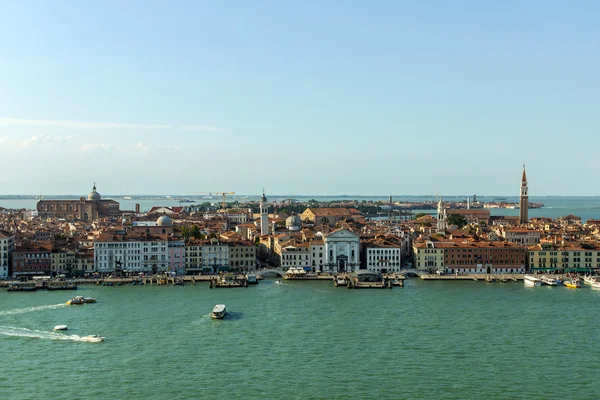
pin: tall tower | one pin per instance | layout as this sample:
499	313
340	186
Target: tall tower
441	217
264	215
524	204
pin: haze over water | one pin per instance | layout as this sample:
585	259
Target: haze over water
554	206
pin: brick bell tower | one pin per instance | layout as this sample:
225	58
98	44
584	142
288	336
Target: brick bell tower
524	203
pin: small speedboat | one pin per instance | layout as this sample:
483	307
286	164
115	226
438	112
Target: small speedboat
77	300
573	283
61	327
93	338
219	311
549	281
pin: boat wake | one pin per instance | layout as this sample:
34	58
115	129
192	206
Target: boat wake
33	333
31	309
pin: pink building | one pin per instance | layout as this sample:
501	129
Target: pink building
177	256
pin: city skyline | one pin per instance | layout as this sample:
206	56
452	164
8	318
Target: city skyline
323	99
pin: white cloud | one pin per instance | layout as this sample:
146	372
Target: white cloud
94	146
143	146
40	123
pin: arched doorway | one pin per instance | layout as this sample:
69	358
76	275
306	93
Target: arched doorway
342	266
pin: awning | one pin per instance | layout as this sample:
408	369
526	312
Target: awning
224	268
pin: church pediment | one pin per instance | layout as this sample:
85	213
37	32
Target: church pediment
342	234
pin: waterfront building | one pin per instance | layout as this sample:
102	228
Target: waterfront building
428	255
215	256
242	255
176	257
524	200
264	215
32	259
382	256
89	209
486	257
193	256
63	260
295	254
325	216
565	256
317	253
7	247
141	253
342	251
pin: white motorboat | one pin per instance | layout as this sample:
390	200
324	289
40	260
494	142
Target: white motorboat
93	338
61	327
595	285
532	281
590	279
549	281
219	311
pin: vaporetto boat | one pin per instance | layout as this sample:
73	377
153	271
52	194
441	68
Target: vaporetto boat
532	281
549	281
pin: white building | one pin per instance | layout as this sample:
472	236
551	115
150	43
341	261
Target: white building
215	256
317	255
147	253
342	250
383	257
7	246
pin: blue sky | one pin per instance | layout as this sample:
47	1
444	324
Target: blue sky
311	97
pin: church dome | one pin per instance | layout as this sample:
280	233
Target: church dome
293	222
164	220
94	195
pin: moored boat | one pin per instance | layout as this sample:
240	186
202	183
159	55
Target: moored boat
219	311
549	281
573	283
21	288
589	279
595	285
532	281
252	279
339	281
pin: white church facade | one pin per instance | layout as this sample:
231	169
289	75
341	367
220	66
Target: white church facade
342	251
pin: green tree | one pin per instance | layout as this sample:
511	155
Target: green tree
456	219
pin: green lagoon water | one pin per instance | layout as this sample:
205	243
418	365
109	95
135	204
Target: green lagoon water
305	340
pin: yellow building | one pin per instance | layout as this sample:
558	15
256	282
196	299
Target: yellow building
564	257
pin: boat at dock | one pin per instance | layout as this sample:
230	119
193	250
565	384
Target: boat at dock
228	280
366	279
573	283
252	279
21	288
61	327
549	281
298	274
589	279
532	281
339	281
219	311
